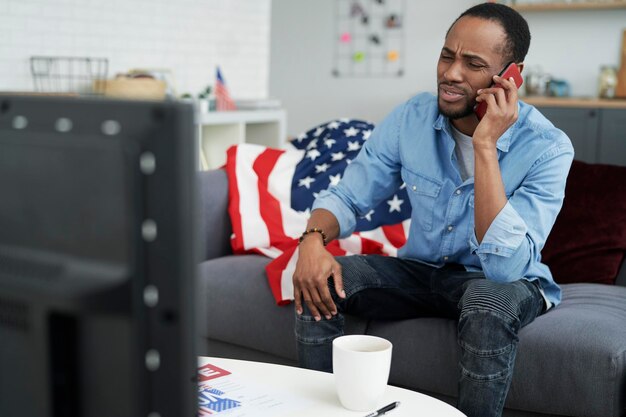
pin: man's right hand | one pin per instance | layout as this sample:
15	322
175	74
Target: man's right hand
310	280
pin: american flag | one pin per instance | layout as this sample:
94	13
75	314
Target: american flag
222	97
272	191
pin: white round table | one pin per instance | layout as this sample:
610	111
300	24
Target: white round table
264	389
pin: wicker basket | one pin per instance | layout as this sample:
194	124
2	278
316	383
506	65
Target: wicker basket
74	75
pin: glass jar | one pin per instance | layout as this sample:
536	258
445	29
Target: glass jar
607	82
536	81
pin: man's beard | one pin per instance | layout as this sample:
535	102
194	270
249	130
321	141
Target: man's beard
456	114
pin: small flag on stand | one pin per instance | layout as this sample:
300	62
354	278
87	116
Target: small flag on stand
222	97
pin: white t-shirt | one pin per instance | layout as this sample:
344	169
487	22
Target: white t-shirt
464	151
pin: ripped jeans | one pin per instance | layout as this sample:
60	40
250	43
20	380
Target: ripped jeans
489	314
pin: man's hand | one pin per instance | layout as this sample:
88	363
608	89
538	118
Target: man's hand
501	113
310	280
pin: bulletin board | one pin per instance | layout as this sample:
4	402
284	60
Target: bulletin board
369	39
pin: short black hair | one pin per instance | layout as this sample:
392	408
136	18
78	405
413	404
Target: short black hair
514	25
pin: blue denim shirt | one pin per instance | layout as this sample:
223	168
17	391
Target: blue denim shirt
414	145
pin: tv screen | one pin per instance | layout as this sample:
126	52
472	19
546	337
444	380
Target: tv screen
97	257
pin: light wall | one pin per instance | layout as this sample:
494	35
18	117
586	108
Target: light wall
190	37
567	44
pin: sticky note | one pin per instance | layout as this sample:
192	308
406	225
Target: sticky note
358	56
346	37
393	55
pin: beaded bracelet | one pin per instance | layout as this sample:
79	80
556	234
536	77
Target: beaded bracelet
313	230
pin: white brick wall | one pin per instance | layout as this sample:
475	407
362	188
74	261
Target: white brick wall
190	37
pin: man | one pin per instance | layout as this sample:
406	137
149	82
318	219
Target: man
484	196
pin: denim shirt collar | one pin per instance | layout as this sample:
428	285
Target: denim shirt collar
503	143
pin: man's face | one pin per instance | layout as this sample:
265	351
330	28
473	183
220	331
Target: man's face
472	54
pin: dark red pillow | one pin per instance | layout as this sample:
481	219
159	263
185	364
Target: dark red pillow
588	241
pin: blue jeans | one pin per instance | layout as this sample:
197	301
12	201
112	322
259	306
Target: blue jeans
489	314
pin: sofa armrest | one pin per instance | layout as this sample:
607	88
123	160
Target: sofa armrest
214	222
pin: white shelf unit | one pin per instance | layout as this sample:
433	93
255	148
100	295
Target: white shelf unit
220	130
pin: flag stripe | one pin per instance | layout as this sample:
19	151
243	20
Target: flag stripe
271	252
274	271
233	196
254	232
395	234
286	281
378	236
269	207
334	248
374	247
352	244
279	186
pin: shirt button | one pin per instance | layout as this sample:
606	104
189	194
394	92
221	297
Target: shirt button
445	258
457	192
450	228
414	188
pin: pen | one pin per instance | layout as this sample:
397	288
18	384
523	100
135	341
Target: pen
384	410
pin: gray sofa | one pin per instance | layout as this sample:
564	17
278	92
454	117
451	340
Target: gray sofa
571	361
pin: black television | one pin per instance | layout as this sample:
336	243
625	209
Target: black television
97	257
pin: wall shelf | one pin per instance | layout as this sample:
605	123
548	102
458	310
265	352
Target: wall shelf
564	6
217	131
602	103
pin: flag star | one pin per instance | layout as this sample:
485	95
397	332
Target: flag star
394	204
301	137
315	195
312	144
306	182
354	146
366	134
321	168
344	120
334	179
318	131
313	153
368	216
403	186
348	161
337	156
350	132
333	125
329	142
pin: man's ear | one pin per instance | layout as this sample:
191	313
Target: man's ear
520	66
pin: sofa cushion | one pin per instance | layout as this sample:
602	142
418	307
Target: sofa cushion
575	355
588	241
571	360
238	307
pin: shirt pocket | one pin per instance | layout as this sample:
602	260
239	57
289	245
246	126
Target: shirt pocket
423	192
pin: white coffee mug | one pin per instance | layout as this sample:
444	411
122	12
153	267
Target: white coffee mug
361	366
